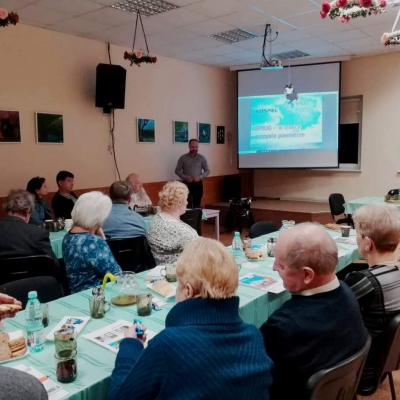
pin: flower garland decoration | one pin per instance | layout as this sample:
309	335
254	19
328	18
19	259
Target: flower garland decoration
138	56
8	18
345	10
390	39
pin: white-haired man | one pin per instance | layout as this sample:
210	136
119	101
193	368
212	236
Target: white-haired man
321	324
139	197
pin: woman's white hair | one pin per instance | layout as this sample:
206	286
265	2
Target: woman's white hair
91	210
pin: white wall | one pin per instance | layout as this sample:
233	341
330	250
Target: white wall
378	80
42	70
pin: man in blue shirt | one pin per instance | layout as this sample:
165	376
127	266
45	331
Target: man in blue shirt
122	221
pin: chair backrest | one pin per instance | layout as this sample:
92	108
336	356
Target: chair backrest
262	228
132	254
48	289
340	381
14	268
193	218
336	204
390	355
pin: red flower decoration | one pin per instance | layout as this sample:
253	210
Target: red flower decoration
366	3
323	14
341	3
325	7
382	3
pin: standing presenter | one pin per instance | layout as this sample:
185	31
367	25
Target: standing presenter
192	168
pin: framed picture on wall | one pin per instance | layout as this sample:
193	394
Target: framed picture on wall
146	130
220	134
10	130
204	133
181	131
49	128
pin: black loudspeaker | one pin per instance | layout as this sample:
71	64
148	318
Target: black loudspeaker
110	87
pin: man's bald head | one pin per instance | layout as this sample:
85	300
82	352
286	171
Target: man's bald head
308	244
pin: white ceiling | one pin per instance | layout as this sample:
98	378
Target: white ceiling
183	33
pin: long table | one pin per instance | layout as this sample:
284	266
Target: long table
95	364
351	206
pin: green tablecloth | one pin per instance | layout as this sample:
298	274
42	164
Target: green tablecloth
351	206
95	364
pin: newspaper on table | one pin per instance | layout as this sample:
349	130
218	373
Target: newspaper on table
263	282
53	389
111	335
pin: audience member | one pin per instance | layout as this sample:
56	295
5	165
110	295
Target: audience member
321	324
37	186
139	196
205	351
17	237
64	200
122	221
378	288
192	168
15	384
86	254
167	234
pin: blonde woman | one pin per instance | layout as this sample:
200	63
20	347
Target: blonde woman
167	234
378	288
205	351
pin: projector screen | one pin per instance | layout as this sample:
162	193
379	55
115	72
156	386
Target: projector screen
282	126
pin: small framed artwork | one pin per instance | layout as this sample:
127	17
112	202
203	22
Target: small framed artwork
204	133
181	132
49	128
220	134
146	130
10	130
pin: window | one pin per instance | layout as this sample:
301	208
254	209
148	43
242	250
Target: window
350	133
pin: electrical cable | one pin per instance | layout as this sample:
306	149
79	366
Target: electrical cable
111	126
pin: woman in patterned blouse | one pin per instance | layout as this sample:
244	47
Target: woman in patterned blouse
86	254
167	234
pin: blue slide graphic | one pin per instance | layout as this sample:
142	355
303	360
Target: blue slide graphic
279	125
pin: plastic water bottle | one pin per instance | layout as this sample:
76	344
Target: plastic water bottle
237	245
34	325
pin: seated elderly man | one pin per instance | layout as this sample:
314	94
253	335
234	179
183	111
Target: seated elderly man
139	196
206	351
321	324
17	237
122	221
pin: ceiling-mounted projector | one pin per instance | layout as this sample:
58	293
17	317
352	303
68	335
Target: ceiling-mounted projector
271	64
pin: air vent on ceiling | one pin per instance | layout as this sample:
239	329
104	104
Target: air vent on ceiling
146	7
233	36
290	54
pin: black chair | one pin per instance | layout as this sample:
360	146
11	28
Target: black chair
132	254
14	268
340	381
336	204
47	287
262	228
193	218
388	359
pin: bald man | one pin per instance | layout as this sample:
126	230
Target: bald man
139	197
321	324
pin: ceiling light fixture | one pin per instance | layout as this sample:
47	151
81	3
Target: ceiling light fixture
146	7
269	62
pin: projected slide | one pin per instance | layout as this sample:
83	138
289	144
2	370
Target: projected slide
277	124
289	125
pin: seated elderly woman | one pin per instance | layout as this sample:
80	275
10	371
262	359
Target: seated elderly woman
86	254
37	186
167	234
205	351
378	288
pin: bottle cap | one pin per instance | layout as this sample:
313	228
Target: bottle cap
32	295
